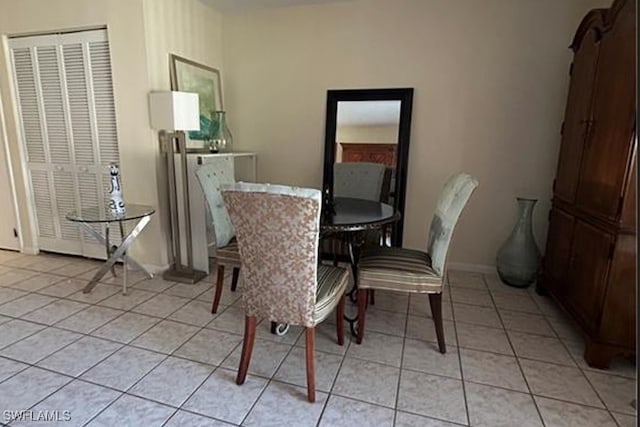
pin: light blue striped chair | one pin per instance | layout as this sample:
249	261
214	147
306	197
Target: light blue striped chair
211	175
413	271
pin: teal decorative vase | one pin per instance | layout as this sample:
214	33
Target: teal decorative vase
518	259
221	138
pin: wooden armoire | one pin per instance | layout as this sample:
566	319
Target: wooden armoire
589	266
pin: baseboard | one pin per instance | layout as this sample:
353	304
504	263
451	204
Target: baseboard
474	268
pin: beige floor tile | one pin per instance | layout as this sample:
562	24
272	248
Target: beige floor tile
537	347
432	396
172	381
559	382
166	336
127	302
230	319
512	302
616	392
126	328
496	407
565	328
63	288
89	319
209	346
385	322
40	345
266	357
492	369
9	368
238	400
98	294
15	330
344	412
83	401
465	279
160	305
563	414
526	322
9	278
483	338
477	315
196	313
27	388
133	411
263	331
54	312
380	348
37	282
293	369
471	296
184	418
188	290
625	420
367	381
404	419
298	411
423	329
425	357
156	284
25	304
326	339
392	301
124	368
10	294
80	356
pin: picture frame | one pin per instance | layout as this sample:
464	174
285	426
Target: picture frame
189	76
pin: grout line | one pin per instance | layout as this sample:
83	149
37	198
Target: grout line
404	341
524	377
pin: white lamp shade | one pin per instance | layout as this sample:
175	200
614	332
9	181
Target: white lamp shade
174	111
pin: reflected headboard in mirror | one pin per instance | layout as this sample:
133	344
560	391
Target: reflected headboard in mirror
373	126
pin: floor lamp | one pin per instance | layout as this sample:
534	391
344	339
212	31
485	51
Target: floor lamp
173	113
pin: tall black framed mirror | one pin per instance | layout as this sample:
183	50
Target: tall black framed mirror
371	126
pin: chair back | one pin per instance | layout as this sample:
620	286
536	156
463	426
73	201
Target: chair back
453	199
217	171
277	229
359	180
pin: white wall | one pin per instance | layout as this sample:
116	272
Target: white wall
141	34
490	81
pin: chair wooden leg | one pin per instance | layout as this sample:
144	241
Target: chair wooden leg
372	297
340	320
274	326
219	284
435	301
234	278
247	348
311	372
363	297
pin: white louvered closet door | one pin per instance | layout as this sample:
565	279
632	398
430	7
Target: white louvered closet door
65	98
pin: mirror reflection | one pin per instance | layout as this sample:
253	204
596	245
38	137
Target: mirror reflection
366	149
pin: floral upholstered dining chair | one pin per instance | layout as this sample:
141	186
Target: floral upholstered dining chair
277	228
211	175
413	271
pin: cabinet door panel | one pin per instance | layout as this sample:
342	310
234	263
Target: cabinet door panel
619	315
607	151
576	115
558	251
587	272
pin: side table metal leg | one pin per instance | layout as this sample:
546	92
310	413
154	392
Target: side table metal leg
122	249
108	247
124	263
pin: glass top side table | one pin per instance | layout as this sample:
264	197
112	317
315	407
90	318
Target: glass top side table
141	214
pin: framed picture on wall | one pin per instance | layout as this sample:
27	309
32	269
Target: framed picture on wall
190	76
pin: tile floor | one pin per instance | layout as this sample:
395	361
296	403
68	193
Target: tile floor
158	357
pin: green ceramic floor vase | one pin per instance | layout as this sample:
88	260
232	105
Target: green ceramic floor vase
518	259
